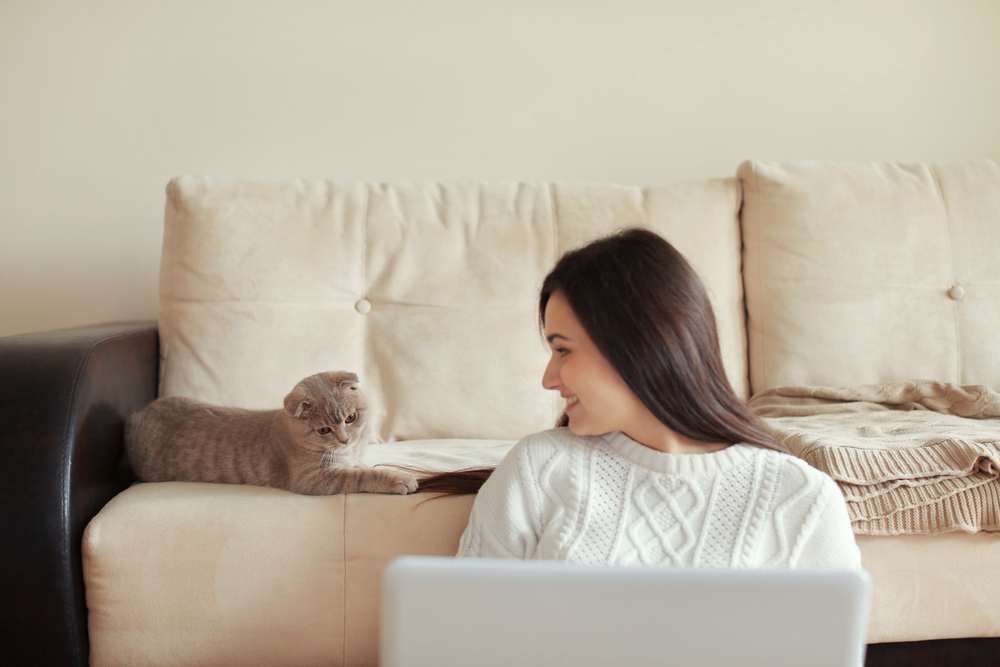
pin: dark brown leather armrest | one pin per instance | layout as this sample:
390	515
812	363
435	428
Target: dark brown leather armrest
64	396
968	652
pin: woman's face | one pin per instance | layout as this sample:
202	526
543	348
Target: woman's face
597	399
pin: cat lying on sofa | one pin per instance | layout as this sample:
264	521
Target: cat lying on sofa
313	446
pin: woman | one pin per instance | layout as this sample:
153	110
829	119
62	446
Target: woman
658	461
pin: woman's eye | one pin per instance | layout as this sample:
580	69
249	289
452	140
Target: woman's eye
351	418
324	430
562	351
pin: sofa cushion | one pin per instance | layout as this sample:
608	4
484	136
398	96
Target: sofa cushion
215	574
868	273
218	574
932	586
427	291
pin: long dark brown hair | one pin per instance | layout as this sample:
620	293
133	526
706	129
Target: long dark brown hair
649	315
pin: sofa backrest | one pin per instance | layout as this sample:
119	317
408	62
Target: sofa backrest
865	273
427	291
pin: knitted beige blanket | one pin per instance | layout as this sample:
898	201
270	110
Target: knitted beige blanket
910	457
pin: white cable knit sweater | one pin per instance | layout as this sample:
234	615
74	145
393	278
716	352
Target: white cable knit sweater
611	500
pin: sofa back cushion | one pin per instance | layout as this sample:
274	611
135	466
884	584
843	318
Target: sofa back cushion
427	291
864	273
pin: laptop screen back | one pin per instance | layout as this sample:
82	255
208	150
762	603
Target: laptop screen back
447	612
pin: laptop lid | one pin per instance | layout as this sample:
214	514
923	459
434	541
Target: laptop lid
446	612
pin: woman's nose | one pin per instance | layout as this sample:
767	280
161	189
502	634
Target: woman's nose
550	378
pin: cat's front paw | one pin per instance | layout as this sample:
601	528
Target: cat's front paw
401	482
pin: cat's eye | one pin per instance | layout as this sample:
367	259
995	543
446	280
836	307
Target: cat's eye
324	430
351	418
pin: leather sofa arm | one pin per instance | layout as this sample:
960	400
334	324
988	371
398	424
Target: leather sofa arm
64	396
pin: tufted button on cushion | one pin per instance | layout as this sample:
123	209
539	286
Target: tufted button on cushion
956	292
364	306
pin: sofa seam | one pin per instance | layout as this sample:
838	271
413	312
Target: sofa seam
745	203
745	329
364	273
959	371
343	528
167	287
760	279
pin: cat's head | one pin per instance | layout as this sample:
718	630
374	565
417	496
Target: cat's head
327	411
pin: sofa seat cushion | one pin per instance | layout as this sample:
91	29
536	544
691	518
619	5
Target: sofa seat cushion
213	574
932	586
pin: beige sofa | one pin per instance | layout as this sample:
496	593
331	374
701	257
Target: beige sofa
828	274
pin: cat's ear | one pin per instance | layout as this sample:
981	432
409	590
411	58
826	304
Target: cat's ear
349	381
297	402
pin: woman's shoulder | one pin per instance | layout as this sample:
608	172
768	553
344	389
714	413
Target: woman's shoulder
554	437
539	448
793	472
777	457
548	454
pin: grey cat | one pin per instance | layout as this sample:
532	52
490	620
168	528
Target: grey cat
312	447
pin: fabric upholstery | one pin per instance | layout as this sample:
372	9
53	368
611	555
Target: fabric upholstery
867	273
427	291
932	586
217	574
213	574
378	528
210	574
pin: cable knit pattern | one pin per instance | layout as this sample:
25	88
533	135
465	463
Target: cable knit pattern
609	499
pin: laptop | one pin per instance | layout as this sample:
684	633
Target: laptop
447	612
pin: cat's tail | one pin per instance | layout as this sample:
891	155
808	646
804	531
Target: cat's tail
132	439
133	424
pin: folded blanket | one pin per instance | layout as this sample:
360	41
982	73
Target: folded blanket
910	457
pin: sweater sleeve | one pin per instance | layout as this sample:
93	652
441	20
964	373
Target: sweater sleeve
504	522
828	542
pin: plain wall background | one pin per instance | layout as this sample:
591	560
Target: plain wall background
103	101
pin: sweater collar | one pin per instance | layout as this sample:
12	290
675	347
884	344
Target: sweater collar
647	457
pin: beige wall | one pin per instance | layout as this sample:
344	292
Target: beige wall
103	101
